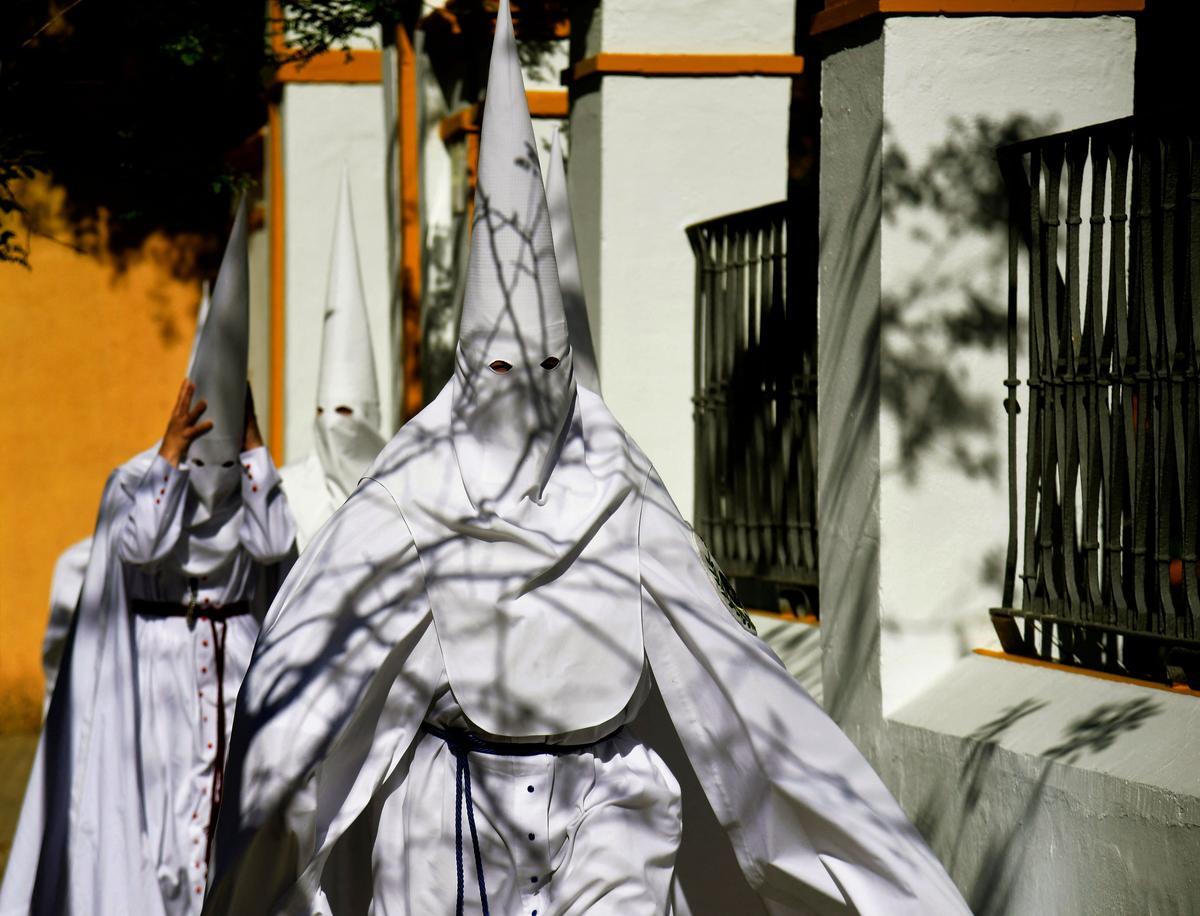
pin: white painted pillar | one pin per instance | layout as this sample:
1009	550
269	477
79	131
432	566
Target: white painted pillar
651	155
903	543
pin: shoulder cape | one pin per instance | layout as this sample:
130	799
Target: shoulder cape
782	813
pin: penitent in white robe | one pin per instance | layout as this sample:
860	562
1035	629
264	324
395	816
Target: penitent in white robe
189	673
96	833
727	790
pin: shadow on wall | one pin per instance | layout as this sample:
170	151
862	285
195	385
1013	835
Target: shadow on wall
992	891
951	304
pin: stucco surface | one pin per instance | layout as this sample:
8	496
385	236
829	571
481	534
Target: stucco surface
671	152
1042	791
763	26
944	531
91	357
848	383
1052	792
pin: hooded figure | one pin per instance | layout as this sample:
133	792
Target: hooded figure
346	435
185	558
504	679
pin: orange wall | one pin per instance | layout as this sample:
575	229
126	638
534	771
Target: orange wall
90	360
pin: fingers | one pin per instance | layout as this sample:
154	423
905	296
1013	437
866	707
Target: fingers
194	413
186	390
195	432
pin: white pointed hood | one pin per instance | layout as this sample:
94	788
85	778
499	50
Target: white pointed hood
346	443
570	280
201	314
520	490
219	373
507	423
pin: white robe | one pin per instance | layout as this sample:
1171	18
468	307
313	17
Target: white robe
96	833
780	812
311	495
181	728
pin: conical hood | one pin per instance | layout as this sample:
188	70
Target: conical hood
201	314
347	437
570	280
347	374
513	383
219	366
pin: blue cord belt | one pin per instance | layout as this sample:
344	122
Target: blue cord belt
462	744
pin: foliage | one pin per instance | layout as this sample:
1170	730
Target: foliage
137	109
314	26
132	108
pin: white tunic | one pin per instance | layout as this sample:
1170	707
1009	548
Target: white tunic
590	831
188	674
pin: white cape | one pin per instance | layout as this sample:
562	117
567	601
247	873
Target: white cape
65	587
782	813
79	846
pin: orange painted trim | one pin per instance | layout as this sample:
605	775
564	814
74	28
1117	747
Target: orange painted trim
845	12
548	103
408	140
275	256
688	65
362	66
543	103
472	175
463	121
1086	672
811	619
275	27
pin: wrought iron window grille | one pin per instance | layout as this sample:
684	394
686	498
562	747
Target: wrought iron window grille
1104	223
755	410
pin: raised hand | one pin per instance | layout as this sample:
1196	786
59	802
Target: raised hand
182	427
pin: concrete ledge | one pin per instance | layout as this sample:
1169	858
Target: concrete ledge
1047	792
798	645
1133	733
839	13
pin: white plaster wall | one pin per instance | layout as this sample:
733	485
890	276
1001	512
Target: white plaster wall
685	26
936	532
546	71
671	152
848	386
324	127
1041	791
